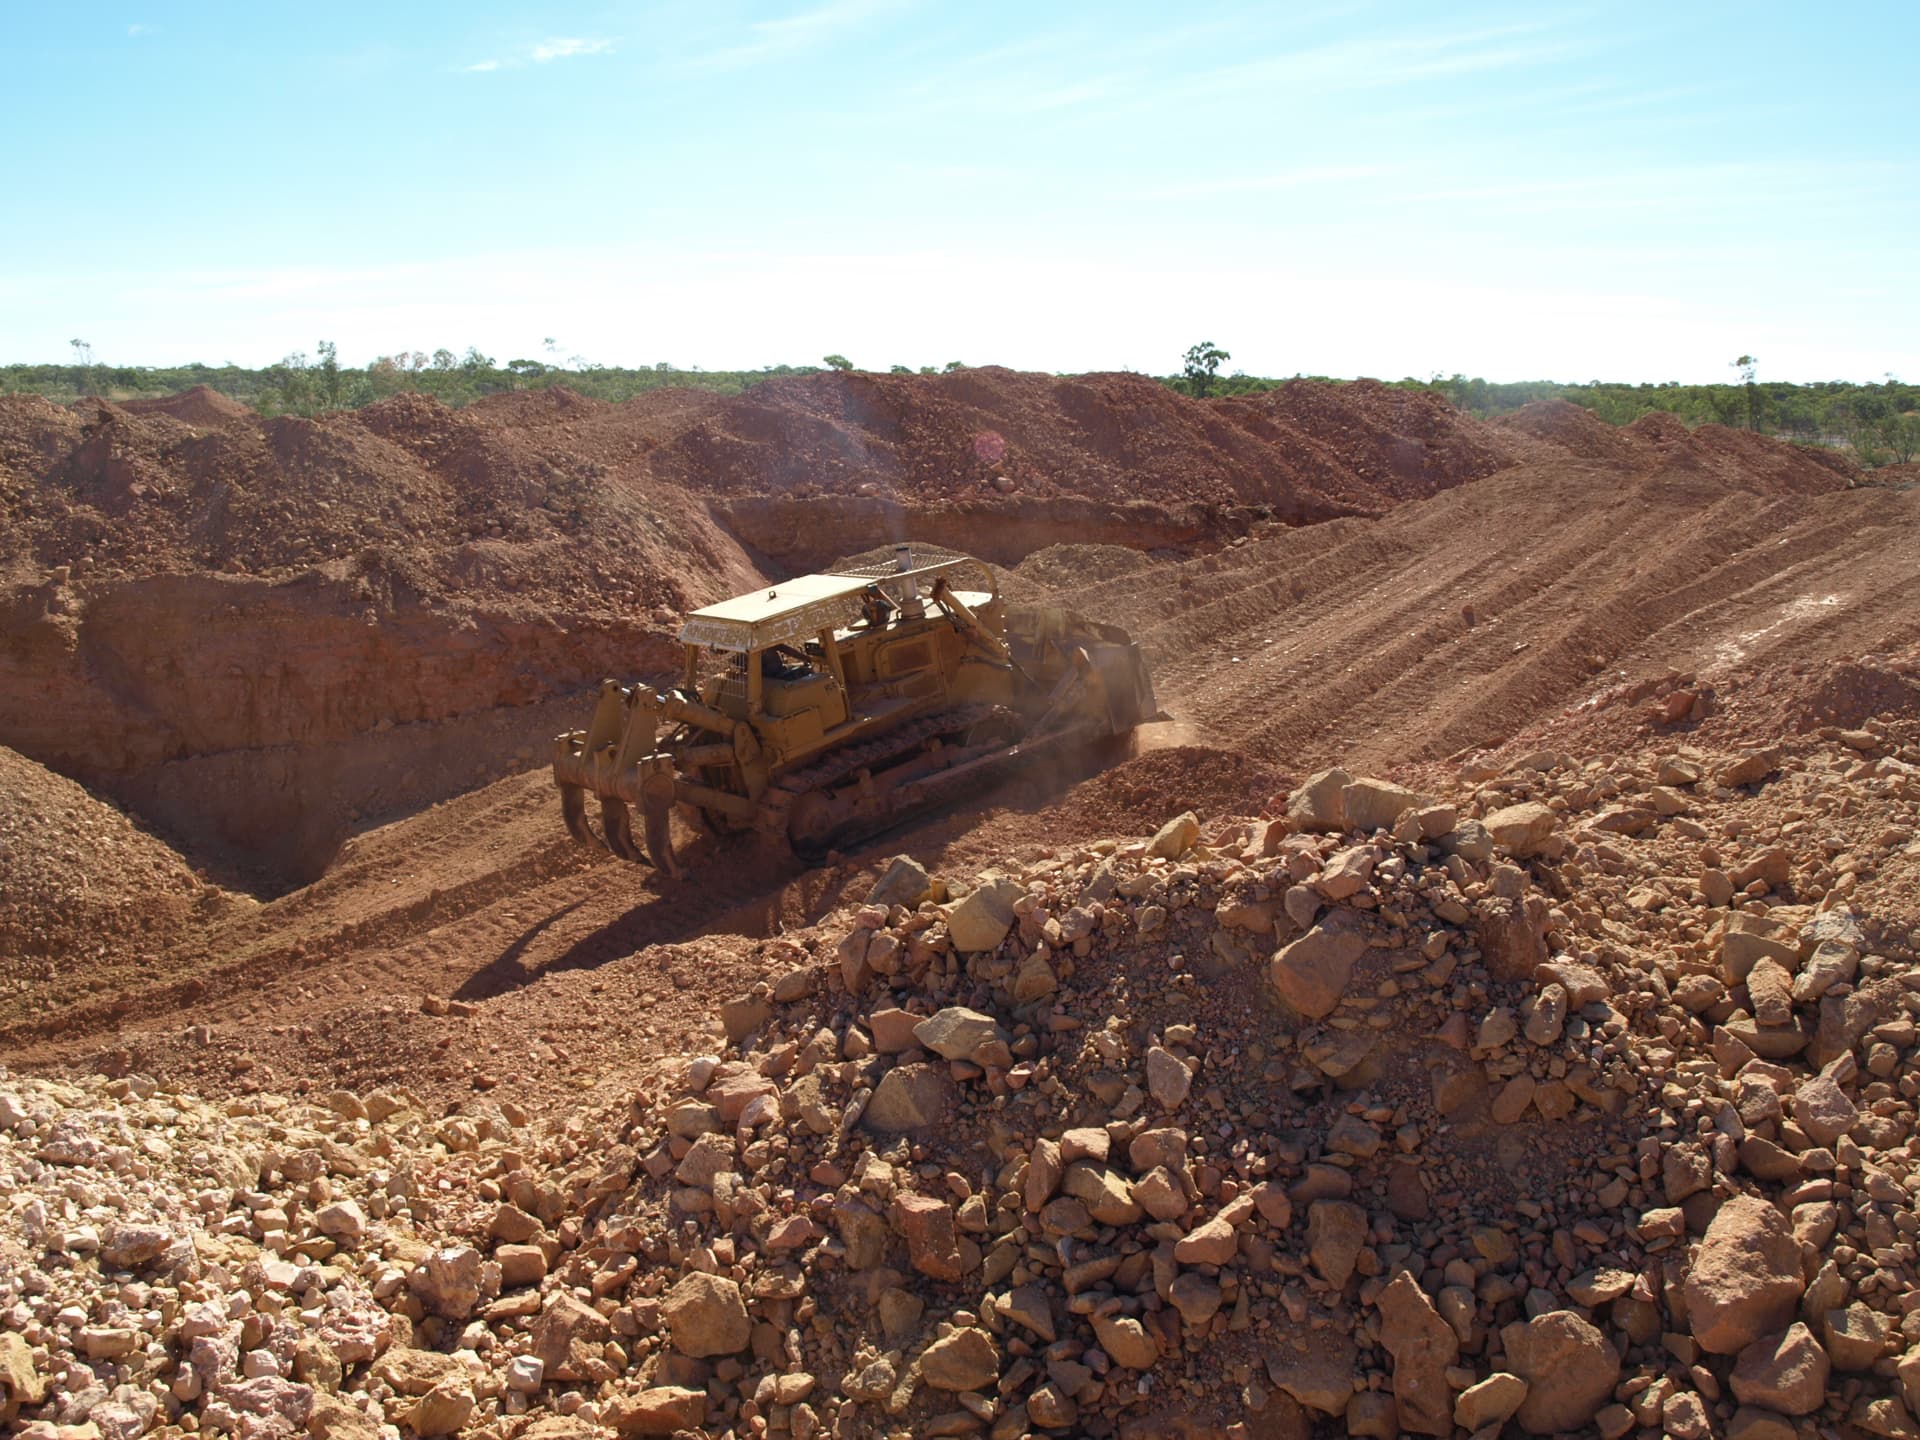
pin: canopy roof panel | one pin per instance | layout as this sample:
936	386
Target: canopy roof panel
802	607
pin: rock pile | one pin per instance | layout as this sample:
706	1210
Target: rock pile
1579	1098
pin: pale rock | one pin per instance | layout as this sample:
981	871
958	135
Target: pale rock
1212	1243
1320	803
1034	980
1423	1346
967	1359
1822	1109
1126	1341
1830	964
1569	1367
1311	974
408	1371
1108	1196
1176	837
341	1220
566	1322
1336	1233
1490	1402
1168	1079
1160	1194
707	1316
130	1244
1745	1280
1751	1422
1750	769
1371	805
1346	874
1028	1306
980	921
1196	1297
906	882
447	1281
658	1410
444	1408
1320	1378
1785	1371
1044	1168
1856	1336
911	1098
955	1033
1521	829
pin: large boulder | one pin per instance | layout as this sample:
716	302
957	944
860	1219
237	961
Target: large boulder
1785	1372
1569	1367
906	882
1311	974
1176	837
1374	805
910	1098
20	1380
1521	829
964	1360
707	1316
1336	1232
956	1032
982	919
1320	803
1745	1280
661	1410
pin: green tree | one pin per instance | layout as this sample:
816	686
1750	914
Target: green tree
82	366
1202	366
1747	365
326	375
1898	435
836	362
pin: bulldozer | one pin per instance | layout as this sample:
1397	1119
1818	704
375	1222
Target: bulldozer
830	708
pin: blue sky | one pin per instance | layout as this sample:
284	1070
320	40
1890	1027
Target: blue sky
1624	191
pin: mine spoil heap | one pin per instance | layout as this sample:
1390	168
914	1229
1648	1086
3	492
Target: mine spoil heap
1576	1096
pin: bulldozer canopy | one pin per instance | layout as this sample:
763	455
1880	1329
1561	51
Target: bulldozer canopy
802	607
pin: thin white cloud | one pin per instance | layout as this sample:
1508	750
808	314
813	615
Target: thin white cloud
568	47
136	30
560	47
770	39
1284	180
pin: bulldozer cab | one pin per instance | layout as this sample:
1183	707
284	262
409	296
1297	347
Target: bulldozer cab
796	655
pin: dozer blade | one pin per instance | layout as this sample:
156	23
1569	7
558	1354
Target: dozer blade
618	823
573	809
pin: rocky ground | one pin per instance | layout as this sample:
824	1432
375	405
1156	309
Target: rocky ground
1487	1009
1577	1095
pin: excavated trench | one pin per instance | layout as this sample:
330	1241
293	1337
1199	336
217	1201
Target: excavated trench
257	723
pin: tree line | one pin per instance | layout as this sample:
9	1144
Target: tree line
306	384
1879	422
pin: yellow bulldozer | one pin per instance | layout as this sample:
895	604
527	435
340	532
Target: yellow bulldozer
829	708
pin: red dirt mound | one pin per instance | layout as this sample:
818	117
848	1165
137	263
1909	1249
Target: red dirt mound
1659	441
201	406
1305	451
76	876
